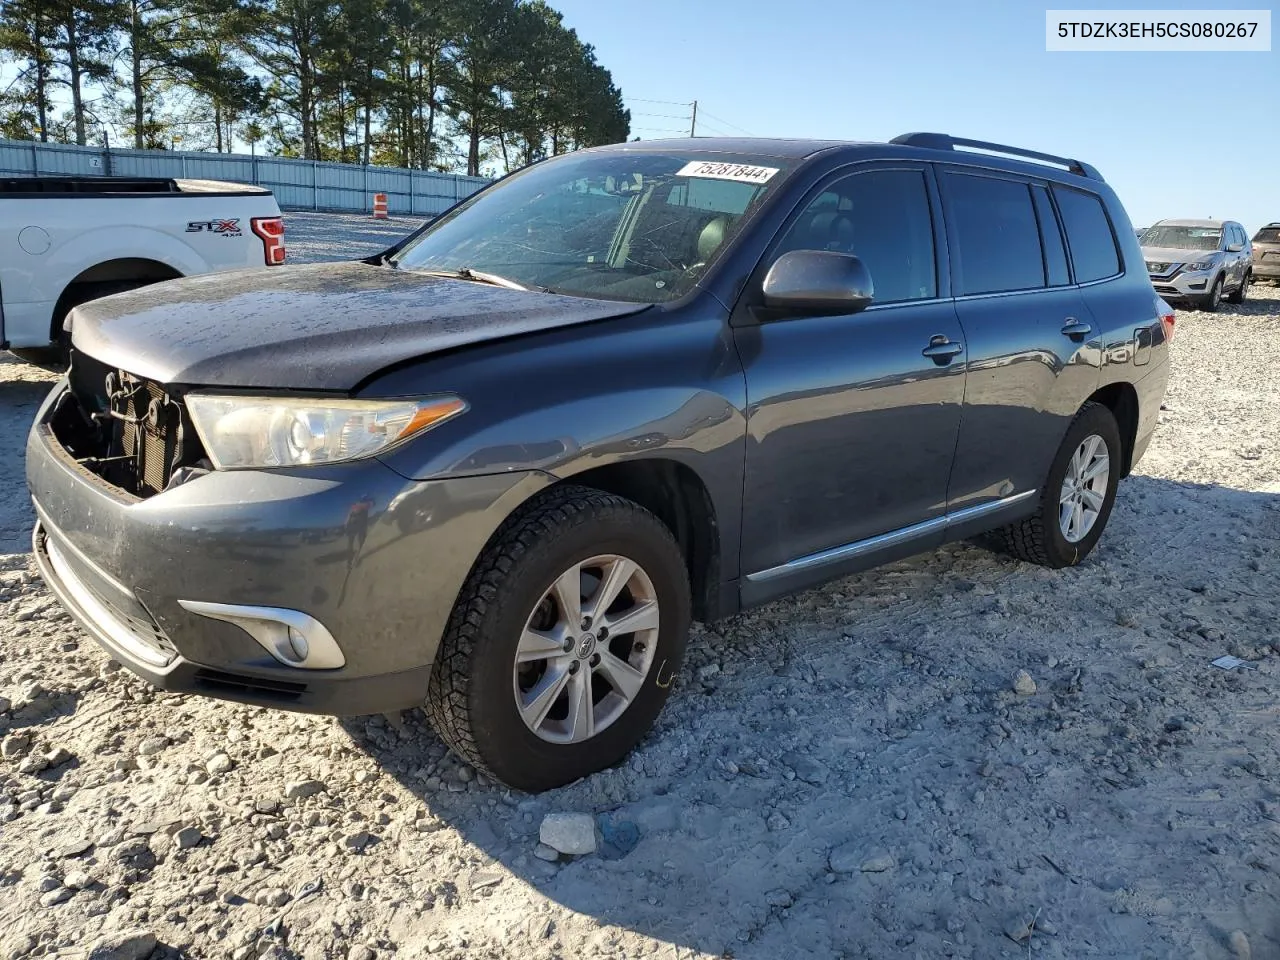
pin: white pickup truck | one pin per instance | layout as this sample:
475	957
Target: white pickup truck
67	240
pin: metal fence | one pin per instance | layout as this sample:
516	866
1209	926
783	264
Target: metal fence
297	184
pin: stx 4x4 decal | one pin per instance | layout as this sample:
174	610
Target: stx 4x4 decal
227	228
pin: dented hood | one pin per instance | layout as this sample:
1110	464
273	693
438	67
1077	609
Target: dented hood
326	326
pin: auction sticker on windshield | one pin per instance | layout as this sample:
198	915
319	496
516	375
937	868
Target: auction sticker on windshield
742	172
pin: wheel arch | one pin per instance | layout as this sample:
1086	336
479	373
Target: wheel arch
1121	398
677	495
118	270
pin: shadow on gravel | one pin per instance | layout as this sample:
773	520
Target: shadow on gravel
24	393
865	778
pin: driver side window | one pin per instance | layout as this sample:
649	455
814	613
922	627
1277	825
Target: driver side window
882	217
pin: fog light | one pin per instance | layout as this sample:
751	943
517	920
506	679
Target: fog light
292	637
298	640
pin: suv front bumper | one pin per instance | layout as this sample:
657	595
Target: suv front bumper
1184	285
382	587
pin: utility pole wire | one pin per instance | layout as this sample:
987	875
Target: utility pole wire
668	103
726	123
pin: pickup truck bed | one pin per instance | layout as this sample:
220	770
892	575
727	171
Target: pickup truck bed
68	240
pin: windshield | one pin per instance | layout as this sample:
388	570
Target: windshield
1267	235
1183	238
634	226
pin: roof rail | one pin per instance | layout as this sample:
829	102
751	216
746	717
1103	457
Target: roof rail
942	141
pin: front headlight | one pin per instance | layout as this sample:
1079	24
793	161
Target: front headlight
1199	266
242	432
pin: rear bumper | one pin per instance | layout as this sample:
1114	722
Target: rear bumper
374	558
1268	268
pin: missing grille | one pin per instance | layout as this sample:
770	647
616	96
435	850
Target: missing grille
132	432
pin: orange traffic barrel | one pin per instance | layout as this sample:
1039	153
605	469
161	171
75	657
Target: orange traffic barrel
380	206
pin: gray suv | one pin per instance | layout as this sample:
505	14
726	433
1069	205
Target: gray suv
498	468
1199	261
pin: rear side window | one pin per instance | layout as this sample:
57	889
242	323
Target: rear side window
996	234
1089	236
1055	254
882	217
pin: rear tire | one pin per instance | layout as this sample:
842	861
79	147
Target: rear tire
1043	538
1240	295
482	700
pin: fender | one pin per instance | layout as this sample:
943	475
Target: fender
552	403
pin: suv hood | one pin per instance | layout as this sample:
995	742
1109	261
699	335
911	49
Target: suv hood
1177	254
326	326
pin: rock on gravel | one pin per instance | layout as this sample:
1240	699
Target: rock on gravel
304	788
845	858
77	880
1023	685
878	863
571	833
358	841
852	857
129	945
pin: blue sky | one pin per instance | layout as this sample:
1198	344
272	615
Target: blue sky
1176	134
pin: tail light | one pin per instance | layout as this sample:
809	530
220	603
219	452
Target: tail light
1166	318
271	230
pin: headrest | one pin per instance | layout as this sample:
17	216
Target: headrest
711	237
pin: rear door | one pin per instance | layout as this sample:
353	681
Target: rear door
852	419
1033	347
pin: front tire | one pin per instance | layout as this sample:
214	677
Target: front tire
563	644
1078	495
1240	295
1209	303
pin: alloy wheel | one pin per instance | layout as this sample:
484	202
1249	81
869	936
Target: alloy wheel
586	649
1084	488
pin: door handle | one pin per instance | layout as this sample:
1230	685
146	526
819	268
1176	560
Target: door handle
941	349
1076	329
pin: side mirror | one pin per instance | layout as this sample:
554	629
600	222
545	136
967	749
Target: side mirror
1234	247
818	281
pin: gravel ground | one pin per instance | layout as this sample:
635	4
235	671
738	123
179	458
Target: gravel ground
847	773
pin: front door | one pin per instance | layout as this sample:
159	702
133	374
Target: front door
852	419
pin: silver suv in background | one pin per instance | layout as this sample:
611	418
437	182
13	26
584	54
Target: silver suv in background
1198	261
1266	253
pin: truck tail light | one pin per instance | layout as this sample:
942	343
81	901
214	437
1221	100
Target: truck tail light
271	230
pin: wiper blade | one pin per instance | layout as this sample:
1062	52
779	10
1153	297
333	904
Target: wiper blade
479	276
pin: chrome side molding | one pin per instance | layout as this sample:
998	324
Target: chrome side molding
902	535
